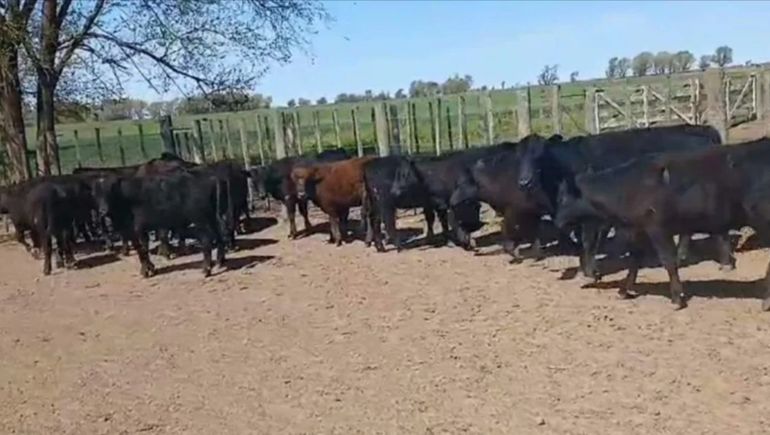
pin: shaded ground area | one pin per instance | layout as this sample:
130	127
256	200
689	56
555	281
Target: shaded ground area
303	337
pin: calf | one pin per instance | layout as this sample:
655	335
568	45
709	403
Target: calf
274	180
379	176
545	164
335	188
656	197
173	201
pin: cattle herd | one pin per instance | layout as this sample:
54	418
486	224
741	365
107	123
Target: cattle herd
649	185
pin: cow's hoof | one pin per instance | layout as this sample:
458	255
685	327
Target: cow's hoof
515	260
46	271
206	272
148	271
625	295
726	267
680	301
59	264
766	305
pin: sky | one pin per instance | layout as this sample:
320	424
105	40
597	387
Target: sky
384	45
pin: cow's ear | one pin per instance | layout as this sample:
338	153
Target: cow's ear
665	175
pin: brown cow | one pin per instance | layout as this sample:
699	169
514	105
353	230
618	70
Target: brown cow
334	187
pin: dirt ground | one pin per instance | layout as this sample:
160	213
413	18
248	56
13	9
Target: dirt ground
304	337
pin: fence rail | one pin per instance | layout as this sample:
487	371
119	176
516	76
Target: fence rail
427	125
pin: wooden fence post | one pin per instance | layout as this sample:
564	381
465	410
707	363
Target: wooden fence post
435	117
669	99
490	118
449	127
765	104
77	149
317	129
198	134
297	131
280	145
357	132
230	152
167	135
142	147
591	123
716	108
629	106
646	105
381	128
336	122
408	130
121	149
522	112
394	128
260	148
98	136
212	140
556	108
462	123
415	129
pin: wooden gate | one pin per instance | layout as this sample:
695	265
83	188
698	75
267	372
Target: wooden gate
741	95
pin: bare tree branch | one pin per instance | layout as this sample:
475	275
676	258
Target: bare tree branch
77	41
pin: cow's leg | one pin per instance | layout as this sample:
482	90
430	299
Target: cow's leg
636	254
388	216
766	300
68	243
141	241
442	218
508	230
59	249
204	237
591	236
666	249
724	249
463	238
334	229
430	218
683	249
45	245
302	204
290	205
343	225
220	245
164	249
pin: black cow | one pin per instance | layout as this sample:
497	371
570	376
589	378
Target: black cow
274	180
438	177
173	201
231	173
545	164
54	206
710	191
380	203
493	179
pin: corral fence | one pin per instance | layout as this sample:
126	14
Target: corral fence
434	125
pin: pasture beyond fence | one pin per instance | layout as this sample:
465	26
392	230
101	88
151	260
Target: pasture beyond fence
428	125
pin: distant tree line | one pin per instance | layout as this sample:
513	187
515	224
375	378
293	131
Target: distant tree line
664	62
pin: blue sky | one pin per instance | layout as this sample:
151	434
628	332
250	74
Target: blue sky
385	45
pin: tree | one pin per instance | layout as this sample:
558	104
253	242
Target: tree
723	56
303	102
549	75
457	84
612	68
663	62
623	66
705	62
573	76
321	101
195	44
642	63
419	88
291	103
400	94
683	61
14	19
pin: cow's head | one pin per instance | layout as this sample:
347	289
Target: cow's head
407	177
466	215
532	150
304	178
259	177
105	190
571	207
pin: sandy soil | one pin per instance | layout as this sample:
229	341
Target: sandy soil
303	337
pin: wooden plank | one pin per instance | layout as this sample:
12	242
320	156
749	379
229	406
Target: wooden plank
280	144
142	147
244	144
669	100
336	122
449	127
230	151
629	107
462	127
716	104
415	129
436	119
98	137
121	149
198	132
381	129
192	152
523	112
739	100
556	109
212	140
77	149
317	130
408	130
590	109
260	145
489	118
645	106
297	131
357	132
674	110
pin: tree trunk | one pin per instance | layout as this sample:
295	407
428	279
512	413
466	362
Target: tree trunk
12	118
48	148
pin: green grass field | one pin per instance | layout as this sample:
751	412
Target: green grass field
504	102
